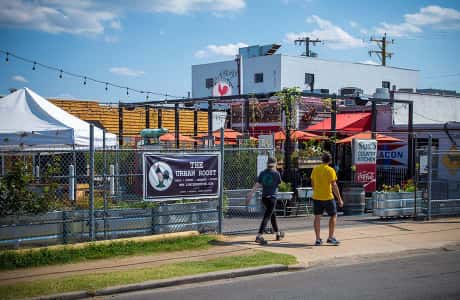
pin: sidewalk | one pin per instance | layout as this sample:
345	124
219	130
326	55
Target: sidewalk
363	240
372	239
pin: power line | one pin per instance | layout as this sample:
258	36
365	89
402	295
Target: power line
86	78
382	54
307	41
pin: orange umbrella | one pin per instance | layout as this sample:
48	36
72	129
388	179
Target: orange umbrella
279	136
228	134
298	135
306	136
367	135
171	137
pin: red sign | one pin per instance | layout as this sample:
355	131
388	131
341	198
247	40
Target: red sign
221	88
367	175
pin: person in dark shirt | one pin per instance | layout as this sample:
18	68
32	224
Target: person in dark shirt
268	179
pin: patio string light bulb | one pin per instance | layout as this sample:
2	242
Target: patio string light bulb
85	78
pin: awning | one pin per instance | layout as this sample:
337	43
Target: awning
353	122
367	136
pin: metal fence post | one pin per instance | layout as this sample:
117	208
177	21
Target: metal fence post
221	190
430	173
71	183
91	182
112	180
64	227
104	176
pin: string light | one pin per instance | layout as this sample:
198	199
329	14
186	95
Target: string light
83	77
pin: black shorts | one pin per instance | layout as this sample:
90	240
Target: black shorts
319	206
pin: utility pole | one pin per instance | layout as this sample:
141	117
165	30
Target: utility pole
307	41
382	54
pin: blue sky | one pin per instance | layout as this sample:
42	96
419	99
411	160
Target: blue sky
151	44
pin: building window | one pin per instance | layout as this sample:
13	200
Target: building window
386	84
258	77
209	83
422	143
310	80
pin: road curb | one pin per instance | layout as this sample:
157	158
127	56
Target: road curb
64	296
155	284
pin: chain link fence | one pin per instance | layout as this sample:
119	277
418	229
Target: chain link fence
439	179
64	196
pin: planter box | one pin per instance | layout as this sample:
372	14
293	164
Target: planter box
394	204
72	226
284	195
308	162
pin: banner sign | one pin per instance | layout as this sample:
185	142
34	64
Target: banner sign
366	174
392	154
180	176
365	159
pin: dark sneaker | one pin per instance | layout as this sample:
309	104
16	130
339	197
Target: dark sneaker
261	241
333	241
318	242
280	236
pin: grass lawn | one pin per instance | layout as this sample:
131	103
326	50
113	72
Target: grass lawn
98	281
10	259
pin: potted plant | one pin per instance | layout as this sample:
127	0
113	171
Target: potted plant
396	200
284	191
310	156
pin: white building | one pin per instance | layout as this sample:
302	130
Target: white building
262	71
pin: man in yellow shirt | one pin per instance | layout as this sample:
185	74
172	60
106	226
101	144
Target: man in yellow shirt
324	184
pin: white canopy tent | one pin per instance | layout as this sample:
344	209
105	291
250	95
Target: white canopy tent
28	120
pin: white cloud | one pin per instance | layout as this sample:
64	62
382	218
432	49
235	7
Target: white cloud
124	71
221	50
433	15
19	78
201	53
115	24
111	39
333	36
370	62
181	7
396	30
93	17
353	24
56	16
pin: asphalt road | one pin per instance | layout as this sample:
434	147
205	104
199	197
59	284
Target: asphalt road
434	275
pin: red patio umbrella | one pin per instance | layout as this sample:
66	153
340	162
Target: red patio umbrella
367	135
